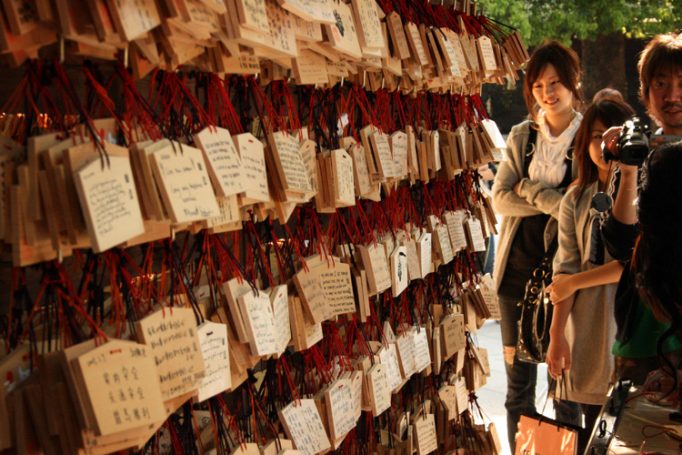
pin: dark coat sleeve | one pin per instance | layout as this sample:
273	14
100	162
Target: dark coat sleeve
619	238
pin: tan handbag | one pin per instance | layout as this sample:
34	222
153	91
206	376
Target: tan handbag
540	435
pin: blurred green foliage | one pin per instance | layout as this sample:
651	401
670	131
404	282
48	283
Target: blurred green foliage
567	20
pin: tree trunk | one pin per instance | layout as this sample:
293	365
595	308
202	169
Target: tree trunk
603	61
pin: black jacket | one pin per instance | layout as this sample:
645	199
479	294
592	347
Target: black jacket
619	239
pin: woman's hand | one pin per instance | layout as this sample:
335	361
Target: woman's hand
610	139
558	355
562	287
517	187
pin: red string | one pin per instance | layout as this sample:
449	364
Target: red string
231	118
261	253
269	118
18	279
480	107
374	319
369	116
278	255
369	234
324	369
287	374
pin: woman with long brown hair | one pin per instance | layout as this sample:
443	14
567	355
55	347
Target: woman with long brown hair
585	276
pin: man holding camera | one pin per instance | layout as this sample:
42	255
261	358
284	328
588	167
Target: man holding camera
637	346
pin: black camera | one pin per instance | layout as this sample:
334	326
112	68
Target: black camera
632	146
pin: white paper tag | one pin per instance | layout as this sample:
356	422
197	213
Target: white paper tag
422	355
304	426
214	350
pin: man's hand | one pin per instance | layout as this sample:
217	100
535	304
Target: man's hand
562	287
628	172
558	355
659	387
610	143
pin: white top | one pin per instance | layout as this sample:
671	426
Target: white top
549	161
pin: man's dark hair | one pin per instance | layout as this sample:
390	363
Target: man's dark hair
663	52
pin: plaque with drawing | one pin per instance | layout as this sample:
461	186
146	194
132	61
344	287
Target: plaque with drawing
399	272
413	266
424	251
342	34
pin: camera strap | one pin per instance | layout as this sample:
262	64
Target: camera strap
530	147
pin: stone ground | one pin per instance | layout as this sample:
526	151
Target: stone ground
491	396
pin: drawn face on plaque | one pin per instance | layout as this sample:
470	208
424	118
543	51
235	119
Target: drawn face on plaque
400	265
339	23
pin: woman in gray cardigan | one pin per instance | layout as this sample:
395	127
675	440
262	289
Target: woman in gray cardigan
527	191
585	276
